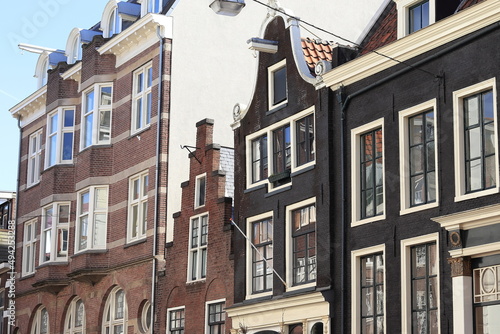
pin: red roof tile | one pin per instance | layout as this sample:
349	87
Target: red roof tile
316	50
384	31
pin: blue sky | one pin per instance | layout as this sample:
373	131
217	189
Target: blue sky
38	22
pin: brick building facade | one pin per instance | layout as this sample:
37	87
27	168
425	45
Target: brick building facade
197	282
92	185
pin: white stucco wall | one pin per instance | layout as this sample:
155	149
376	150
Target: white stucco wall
213	69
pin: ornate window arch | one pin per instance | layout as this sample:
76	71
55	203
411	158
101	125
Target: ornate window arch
75	317
74	46
109	21
42	66
40	323
115	312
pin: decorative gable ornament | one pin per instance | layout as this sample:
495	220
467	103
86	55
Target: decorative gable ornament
263	45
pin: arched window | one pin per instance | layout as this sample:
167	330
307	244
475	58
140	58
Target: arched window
109	22
317	328
75	318
145	317
115	313
74	46
40	322
42	67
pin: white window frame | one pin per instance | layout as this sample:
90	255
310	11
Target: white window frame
34	158
91	214
207	314
150	6
249	258
142	95
56	233
270	77
71	315
201	250
111	307
406	289
198	188
289	245
110	21
29	246
145	325
74	46
355	172
42	67
356	256
137	230
292	122
96	111
37	321
173	309
459	151
404	154
59	133
403	7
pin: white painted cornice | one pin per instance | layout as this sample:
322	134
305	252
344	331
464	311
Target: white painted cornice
297	308
470	219
74	73
138	37
30	106
447	30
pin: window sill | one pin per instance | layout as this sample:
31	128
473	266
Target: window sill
276	191
135	133
29	186
367	220
95	146
277	107
464	197
256	186
135	242
303	169
60	164
405	211
200	281
89	251
27	276
53	263
302	288
259	297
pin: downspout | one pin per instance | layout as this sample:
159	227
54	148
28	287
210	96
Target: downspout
157	174
344	104
342	211
17	190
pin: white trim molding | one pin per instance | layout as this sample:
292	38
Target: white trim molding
404	157
356	256
438	34
459	140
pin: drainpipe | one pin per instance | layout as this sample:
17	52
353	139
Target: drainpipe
9	329
157	174
344	104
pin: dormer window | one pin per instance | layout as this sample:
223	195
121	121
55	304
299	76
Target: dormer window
48	59
118	16
150	6
278	92
414	15
74	47
78	37
418	16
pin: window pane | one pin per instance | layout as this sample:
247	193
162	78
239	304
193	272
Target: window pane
101	198
53	150
279	89
67	151
100	230
105	125
138	121
105	96
89	121
69	118
89	101
140	82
